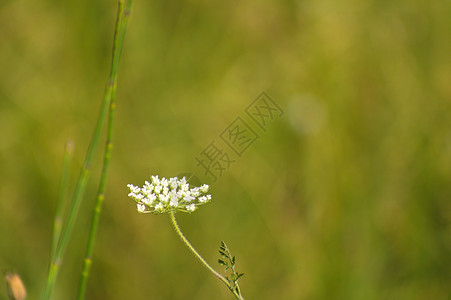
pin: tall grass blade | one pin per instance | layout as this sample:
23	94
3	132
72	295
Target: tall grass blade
121	26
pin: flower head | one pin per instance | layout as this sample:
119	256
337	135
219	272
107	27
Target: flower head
168	195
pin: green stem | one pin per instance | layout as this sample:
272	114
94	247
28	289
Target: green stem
80	187
200	258
58	221
55	259
76	201
120	29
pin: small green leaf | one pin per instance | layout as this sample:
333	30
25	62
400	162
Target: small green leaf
221	262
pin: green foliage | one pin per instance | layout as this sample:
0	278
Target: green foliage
232	285
228	261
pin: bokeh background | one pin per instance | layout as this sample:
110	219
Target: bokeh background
345	196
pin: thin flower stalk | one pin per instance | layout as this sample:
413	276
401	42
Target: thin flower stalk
173	195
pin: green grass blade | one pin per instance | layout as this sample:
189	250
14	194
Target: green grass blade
58	221
60	207
121	26
86	168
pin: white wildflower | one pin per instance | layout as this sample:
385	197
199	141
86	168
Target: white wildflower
158	189
141	207
159	207
174	202
184	187
155	180
195	191
165	190
168	195
163	198
164	182
204	188
147	201
191	207
189	198
181	181
173	183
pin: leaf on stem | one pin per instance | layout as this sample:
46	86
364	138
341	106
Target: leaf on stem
228	261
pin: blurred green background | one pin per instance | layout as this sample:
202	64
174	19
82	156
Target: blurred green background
346	196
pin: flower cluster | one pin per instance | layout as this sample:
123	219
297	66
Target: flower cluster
168	195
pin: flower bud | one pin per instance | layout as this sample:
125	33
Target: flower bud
16	289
